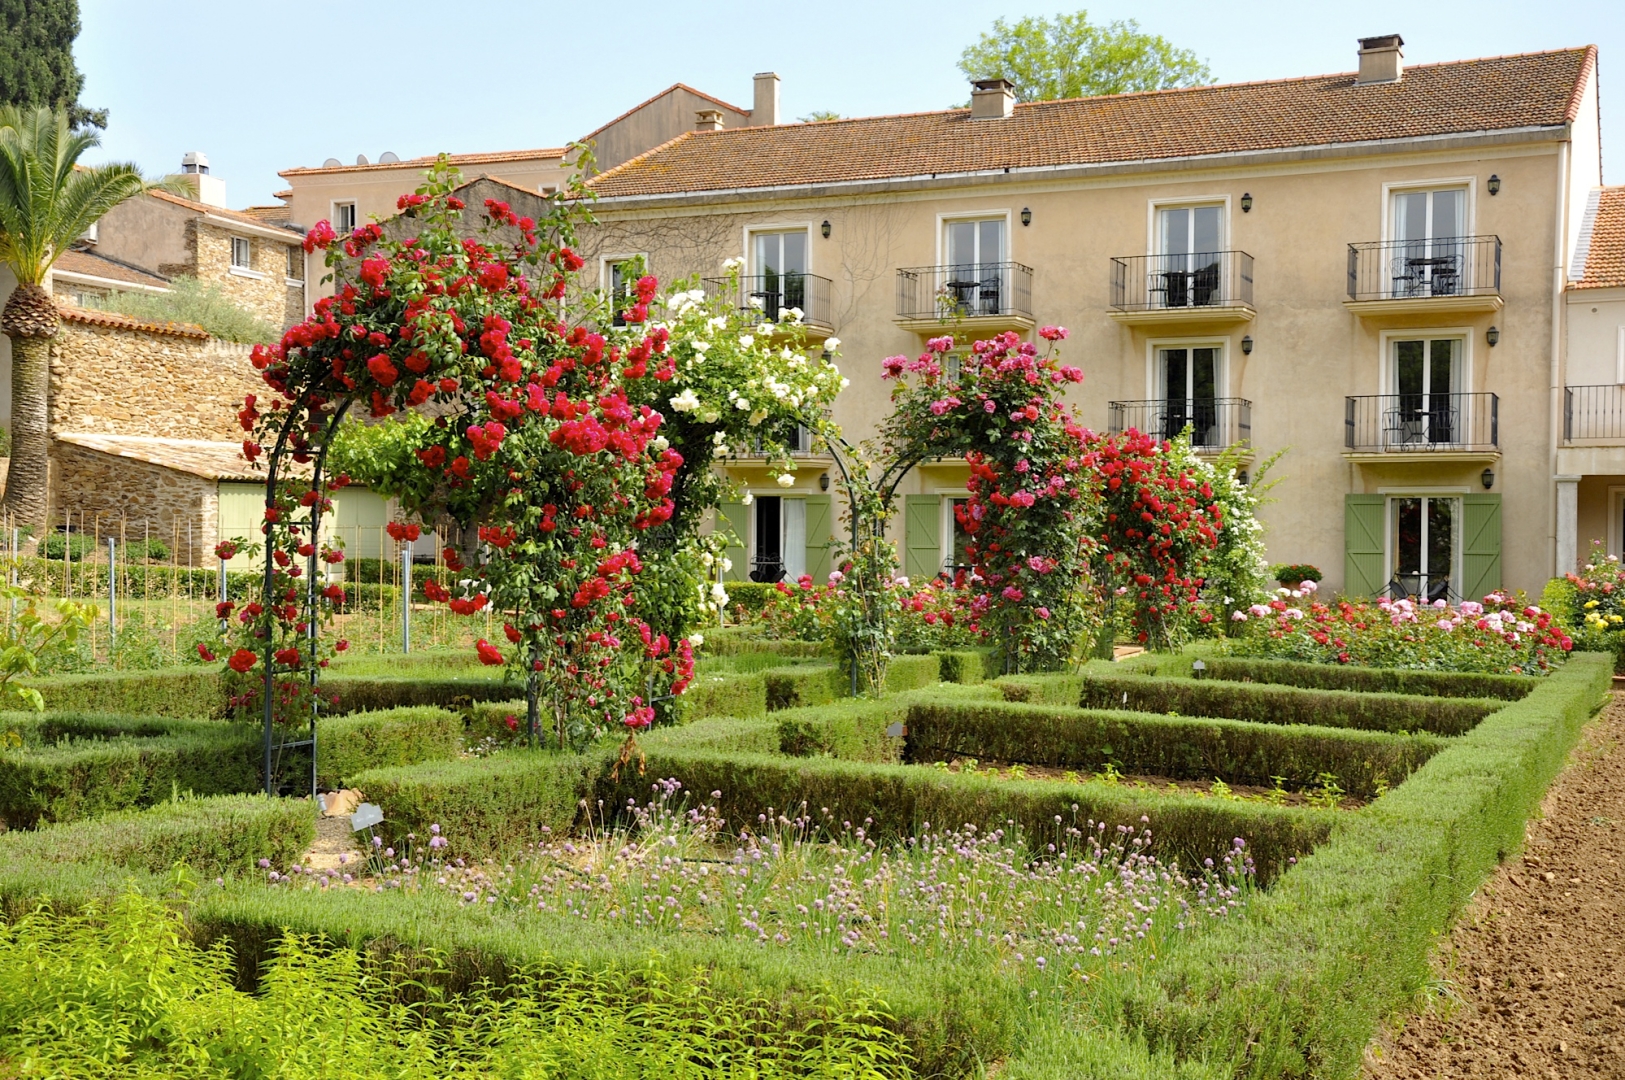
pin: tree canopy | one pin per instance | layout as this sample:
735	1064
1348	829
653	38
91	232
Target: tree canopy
36	58
1068	56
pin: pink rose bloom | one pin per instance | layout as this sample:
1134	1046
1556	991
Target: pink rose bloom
989	405
1043	612
1013	594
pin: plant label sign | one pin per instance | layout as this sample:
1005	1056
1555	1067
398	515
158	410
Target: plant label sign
896	730
366	816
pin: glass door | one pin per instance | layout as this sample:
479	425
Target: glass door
1428	257
794	539
779	278
767	554
1427	407
955	558
1186	270
1423	545
1190	393
973	281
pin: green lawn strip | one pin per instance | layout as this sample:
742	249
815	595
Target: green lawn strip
952	1016
213	836
1298	986
1266	704
1454	684
1181	748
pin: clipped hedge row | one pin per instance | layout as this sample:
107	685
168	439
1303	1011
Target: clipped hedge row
350	744
1299	986
732	640
193	691
1180	748
359	693
1267	704
213	836
852	730
736	695
722	734
1451	684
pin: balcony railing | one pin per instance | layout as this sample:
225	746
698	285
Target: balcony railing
1417	269
1215	423
1593	413
770	295
1205	279
1421	423
969	290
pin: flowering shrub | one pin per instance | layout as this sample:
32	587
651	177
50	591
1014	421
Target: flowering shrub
1501	634
940	614
1596	603
1294	574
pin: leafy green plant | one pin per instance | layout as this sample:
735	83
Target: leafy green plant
1326	793
206	306
1294	574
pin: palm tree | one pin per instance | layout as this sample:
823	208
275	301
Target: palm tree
47	201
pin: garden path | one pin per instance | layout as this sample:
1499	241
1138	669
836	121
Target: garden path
1532	981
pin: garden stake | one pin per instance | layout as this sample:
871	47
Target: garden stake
112	595
406	596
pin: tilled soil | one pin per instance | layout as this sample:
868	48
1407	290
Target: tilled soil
1003	770
1532	981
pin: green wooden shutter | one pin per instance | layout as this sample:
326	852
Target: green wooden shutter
820	532
1363	517
922	536
734	518
1481	545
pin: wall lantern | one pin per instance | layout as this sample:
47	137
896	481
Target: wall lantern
1241	477
1487	478
1247	345
1495	184
1246	202
823	482
824	228
1026	216
1493	336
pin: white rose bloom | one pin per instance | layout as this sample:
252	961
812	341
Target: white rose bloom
831	344
742	404
701	346
730	265
794	315
733	394
766	329
845	383
719	438
719	594
717	322
661	444
757	417
757	302
709	416
727	564
687	401
746	341
748	499
787	480
696	640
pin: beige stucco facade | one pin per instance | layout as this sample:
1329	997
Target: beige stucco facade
1311	347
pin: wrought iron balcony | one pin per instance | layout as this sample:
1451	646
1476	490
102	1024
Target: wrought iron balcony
1214	423
1422	423
1452	266
1594	413
771	295
1193	284
965	291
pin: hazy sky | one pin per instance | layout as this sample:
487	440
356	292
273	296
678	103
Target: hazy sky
265	86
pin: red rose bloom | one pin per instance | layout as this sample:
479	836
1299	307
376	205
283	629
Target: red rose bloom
489	654
241	661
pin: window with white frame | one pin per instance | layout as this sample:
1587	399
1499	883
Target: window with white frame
296	264
620	275
1427	249
778	272
1427	404
1186	270
242	253
1424	546
1189	380
778	539
344	219
975	279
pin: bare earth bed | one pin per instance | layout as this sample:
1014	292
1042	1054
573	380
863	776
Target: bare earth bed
1002	770
1532	981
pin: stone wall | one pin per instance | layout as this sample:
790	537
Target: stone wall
106	493
116	376
262	287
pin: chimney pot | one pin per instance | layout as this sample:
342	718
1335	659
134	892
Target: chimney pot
708	120
1381	60
765	108
992	99
209	190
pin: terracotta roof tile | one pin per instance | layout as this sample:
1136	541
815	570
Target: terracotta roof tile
125	322
90	264
1605	262
276	214
496	157
199	457
220	211
1496	93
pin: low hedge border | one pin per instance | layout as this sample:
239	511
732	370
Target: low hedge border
1448	684
1266	704
1237	752
722	734
736	695
350	744
177	692
1298	987
213	836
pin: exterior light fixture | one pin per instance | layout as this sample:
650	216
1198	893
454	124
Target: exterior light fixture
1493	336
823	482
1026	216
1241	477
1246	202
1495	184
824	228
1247	345
1487	478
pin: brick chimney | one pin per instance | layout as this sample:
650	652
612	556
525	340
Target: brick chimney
1381	60
992	99
708	120
765	111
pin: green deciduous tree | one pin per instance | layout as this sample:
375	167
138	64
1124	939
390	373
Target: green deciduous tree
36	58
1068	57
47	201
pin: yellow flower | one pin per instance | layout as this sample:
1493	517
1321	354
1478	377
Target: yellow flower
1590	604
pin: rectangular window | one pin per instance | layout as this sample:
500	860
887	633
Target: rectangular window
1424	547
620	274
1188	381
1427	405
975	278
1186	269
242	253
778	541
778	272
1427	256
955	558
344	218
296	263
